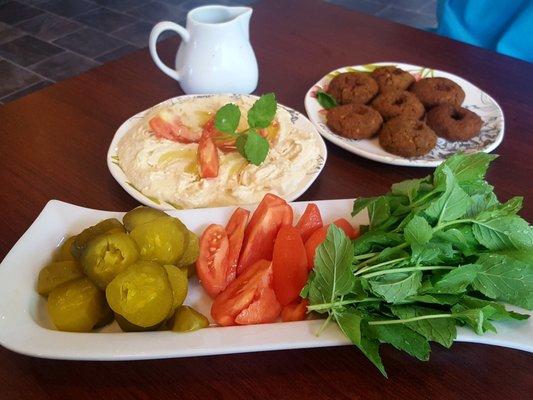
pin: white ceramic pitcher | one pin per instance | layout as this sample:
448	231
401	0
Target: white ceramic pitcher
215	55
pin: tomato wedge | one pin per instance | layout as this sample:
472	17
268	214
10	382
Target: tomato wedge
289	265
222	141
271	214
249	299
208	158
212	263
310	221
318	236
296	311
235	230
350	231
312	243
169	126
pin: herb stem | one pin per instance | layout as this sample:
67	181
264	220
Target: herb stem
407	269
323	326
365	256
407	320
366	269
325	306
440	226
370	260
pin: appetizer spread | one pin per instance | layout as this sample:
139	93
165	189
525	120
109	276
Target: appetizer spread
217	150
407	113
437	252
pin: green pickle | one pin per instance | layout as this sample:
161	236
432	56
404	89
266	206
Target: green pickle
77	306
188	260
142	294
57	273
162	240
107	255
179	283
106	226
187	319
64	253
127	326
141	215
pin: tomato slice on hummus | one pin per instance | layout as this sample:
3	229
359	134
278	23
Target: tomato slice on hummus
166	125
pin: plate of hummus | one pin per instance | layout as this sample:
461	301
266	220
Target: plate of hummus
159	155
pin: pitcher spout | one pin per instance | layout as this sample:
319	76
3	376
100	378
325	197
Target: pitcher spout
242	17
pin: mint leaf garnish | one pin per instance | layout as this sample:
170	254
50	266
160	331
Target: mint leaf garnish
263	111
325	100
227	118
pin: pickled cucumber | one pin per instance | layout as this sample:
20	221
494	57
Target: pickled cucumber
57	273
188	260
127	326
77	306
139	216
106	226
64	253
179	283
141	293
163	240
107	255
187	319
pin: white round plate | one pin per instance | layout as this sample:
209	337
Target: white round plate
476	100
298	120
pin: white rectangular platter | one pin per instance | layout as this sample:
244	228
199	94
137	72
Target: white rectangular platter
25	327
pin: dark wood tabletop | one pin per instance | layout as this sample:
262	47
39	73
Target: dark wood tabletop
53	145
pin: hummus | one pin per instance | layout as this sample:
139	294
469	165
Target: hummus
168	170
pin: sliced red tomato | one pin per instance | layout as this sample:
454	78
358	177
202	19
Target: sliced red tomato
169	126
235	230
289	265
310	221
208	158
271	214
312	243
249	299
350	231
320	234
212	263
296	311
221	140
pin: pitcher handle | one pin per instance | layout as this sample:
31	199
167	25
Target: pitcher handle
157	30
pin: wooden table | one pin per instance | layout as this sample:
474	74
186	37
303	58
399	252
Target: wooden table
53	145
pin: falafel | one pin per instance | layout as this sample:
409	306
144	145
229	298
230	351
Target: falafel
454	123
407	137
353	87
434	91
396	103
354	121
392	78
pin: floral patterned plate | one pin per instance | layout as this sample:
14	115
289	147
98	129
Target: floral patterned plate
476	100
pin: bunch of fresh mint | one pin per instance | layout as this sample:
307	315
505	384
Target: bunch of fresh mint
437	252
249	143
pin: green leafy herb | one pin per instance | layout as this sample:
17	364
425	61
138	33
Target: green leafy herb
263	111
250	144
506	279
227	118
418	231
325	100
255	148
438	252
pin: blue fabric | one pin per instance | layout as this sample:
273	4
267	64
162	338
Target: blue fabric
502	25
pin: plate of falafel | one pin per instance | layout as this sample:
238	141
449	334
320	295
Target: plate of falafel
404	114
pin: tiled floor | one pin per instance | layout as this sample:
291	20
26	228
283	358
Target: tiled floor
45	41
